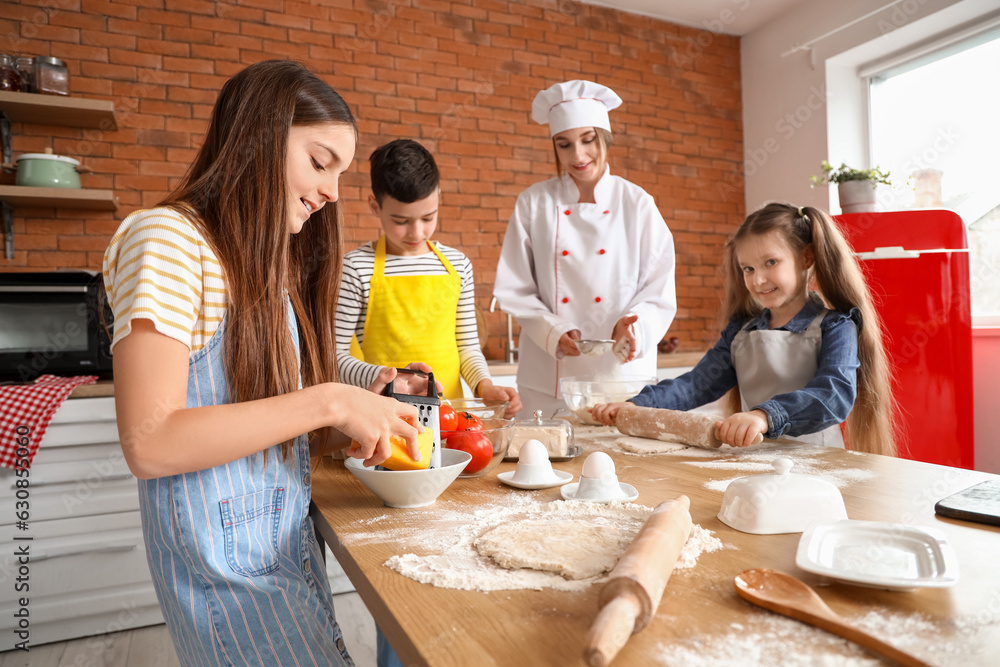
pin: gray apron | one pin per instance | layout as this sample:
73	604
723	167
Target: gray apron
769	362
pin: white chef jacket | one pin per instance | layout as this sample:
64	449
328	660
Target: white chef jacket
569	265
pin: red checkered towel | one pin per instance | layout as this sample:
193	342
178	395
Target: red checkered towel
25	413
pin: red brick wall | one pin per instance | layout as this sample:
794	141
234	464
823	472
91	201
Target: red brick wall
459	76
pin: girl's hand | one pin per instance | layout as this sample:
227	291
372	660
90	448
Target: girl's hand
371	420
741	429
404	383
492	393
625	344
567	343
606	412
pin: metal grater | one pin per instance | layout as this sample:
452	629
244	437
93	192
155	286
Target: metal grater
428	409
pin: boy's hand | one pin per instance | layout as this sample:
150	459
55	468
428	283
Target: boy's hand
567	343
626	345
491	393
404	383
741	429
606	412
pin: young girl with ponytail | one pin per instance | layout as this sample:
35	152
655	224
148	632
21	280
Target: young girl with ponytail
803	343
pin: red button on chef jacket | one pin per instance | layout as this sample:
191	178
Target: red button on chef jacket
565	299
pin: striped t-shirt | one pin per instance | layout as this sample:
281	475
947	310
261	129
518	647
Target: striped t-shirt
159	267
352	307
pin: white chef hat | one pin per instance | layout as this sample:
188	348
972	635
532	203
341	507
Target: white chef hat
572	104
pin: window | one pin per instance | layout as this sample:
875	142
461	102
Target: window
935	125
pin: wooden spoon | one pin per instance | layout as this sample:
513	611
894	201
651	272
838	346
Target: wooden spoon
784	594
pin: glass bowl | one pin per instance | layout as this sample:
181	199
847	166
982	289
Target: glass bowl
496	432
478	407
584	392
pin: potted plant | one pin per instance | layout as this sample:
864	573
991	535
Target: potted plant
856	187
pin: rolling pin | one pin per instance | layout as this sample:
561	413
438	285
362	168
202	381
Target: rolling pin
632	593
689	428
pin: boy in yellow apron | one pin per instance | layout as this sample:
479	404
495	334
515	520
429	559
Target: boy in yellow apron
406	299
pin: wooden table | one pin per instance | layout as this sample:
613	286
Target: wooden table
700	614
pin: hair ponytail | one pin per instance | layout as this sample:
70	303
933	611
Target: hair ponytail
842	284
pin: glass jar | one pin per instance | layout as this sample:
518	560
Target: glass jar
25	66
9	78
51	76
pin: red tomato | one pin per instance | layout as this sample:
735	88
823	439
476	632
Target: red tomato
468	422
448	418
476	444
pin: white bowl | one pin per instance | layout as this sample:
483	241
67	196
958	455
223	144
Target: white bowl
411	488
583	393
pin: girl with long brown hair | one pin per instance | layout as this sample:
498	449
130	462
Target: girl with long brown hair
224	298
802	361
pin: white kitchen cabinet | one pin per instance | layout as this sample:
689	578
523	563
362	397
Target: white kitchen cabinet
87	572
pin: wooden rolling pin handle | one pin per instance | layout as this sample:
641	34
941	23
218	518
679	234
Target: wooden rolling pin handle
614	624
630	597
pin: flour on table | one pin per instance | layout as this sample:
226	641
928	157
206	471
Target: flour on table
767	639
441	551
807	460
573	548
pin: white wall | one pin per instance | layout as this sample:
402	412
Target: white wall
788	102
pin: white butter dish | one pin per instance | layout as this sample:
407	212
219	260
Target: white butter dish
782	502
891	556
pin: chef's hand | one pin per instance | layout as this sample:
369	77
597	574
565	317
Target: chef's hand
491	393
606	412
625	344
741	429
567	343
405	383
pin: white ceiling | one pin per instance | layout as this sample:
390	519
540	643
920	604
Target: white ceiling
733	17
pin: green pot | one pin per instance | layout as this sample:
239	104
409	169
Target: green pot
42	170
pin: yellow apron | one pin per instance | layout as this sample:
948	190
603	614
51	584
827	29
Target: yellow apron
413	318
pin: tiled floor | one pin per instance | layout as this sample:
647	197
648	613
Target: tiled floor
151	646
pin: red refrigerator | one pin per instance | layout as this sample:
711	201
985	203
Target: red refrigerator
917	265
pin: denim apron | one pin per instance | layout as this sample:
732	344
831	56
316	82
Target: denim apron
235	564
769	362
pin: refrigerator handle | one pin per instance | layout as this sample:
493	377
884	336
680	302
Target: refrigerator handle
899	252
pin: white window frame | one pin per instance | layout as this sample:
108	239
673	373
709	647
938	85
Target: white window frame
848	73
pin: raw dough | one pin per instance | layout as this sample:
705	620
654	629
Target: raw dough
574	548
635	445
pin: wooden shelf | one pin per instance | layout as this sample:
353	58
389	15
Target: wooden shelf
58	110
93	200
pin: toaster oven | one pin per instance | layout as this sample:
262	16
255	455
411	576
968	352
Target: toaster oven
50	323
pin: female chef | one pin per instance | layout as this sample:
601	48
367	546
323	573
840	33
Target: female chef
586	255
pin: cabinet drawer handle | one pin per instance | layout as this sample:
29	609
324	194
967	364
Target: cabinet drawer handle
103	549
109	478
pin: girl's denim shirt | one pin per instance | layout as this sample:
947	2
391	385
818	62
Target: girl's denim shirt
825	401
